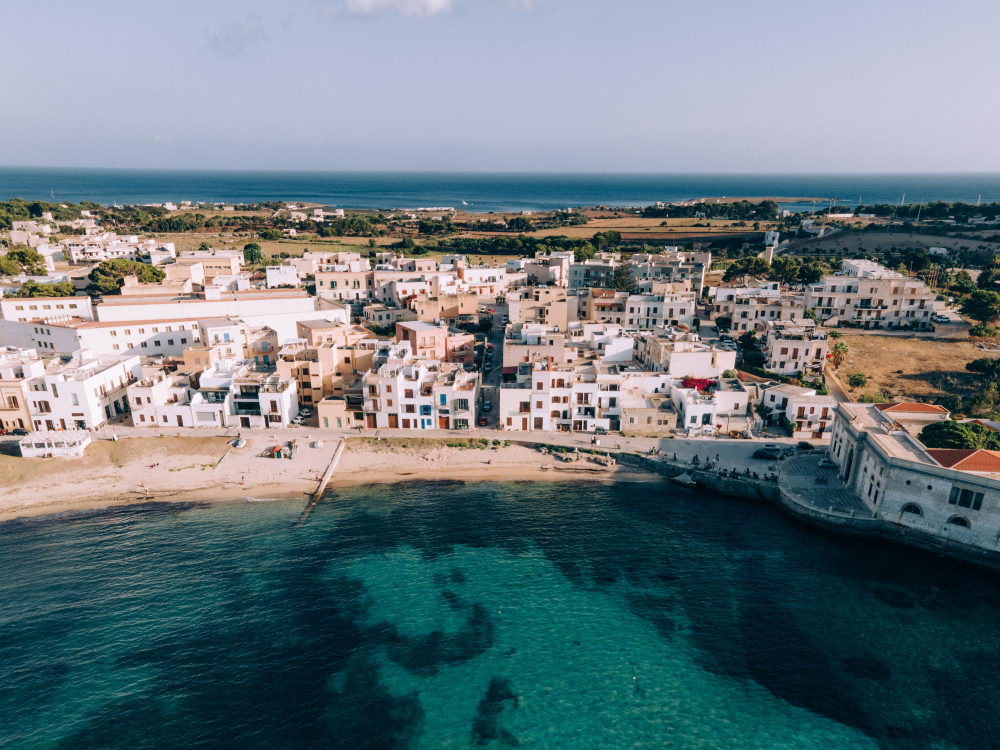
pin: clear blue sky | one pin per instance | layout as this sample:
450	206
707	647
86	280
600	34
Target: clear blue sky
532	85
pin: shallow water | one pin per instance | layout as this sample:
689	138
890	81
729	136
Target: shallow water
487	615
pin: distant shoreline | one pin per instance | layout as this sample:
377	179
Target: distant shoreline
478	192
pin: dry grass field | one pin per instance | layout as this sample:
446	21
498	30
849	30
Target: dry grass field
634	228
923	369
869	242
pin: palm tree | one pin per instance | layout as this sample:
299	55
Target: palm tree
839	351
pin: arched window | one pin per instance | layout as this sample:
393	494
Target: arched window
960	521
913	508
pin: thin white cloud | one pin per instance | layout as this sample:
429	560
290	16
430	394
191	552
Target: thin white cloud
413	8
237	39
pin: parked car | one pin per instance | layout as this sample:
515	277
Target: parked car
600	431
487	406
773	447
482	421
804	446
940	318
765	455
18	431
827	463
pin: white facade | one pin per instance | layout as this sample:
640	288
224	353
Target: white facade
867	295
412	393
794	346
278	276
84	393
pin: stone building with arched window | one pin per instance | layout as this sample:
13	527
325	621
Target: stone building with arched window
950	494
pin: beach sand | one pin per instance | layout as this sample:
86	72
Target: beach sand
175	469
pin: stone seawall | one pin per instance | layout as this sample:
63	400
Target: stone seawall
757	490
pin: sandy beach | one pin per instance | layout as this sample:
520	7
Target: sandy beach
197	468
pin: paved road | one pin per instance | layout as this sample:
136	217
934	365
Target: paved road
492	377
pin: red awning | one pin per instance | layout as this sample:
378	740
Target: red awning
509	370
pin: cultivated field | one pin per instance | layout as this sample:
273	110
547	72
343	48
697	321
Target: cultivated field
911	368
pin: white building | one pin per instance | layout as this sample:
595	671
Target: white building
279	276
680	355
793	347
868	295
54	444
648	311
83	393
809	414
952	496
573	398
412	393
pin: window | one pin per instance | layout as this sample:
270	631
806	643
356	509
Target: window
965	498
913	508
960	521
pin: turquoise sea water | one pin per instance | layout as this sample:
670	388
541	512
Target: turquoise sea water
480	191
489	615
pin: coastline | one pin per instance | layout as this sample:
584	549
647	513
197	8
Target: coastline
142	470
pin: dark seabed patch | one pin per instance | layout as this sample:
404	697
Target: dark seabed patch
487	726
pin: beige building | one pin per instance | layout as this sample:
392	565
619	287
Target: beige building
17	367
449	309
325	364
868	295
546	305
437	342
753	312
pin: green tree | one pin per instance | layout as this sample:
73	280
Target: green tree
622	280
811	273
520	224
963	283
586	251
785	269
745	268
204	247
22	259
988	278
107	276
857	379
34	289
982	305
252	254
839	351
963	435
988	366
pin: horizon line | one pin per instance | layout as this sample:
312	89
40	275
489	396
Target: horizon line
487	172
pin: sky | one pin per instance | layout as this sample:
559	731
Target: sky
503	85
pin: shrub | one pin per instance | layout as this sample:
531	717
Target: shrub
983	331
857	379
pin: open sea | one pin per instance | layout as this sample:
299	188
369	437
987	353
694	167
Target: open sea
449	615
482	192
